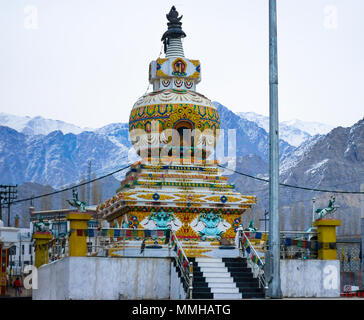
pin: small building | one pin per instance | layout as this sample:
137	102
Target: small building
57	221
17	251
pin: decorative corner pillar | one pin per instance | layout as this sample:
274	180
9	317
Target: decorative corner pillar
41	247
326	238
78	238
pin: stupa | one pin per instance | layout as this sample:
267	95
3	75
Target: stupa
176	185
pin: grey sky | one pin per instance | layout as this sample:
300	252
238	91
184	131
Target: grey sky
86	61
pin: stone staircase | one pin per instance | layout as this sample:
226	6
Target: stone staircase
224	278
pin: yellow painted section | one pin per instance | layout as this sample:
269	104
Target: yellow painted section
326	233
78	243
41	244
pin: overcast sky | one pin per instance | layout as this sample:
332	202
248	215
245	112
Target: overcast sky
86	61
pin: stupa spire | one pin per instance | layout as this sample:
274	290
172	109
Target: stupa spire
172	37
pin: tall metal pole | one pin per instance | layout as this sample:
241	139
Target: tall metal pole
274	286
362	234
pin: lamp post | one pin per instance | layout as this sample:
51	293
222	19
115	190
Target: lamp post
274	281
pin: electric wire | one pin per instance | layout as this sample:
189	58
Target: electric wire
292	186
72	187
238	172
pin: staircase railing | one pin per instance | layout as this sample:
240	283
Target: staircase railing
58	248
183	264
253	259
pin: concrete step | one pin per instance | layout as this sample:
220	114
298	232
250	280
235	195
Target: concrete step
244	290
214	269
198	295
235	260
202	290
198	278
208	260
239	274
253	295
225	290
227	296
216	274
219	279
211	264
247	284
239	269
221	285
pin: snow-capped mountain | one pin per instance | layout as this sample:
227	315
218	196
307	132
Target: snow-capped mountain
294	132
312	128
250	137
57	159
32	151
38	125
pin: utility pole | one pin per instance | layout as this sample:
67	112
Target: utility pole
274	281
88	186
2	197
265	220
9	194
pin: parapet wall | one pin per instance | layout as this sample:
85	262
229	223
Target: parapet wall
310	278
99	278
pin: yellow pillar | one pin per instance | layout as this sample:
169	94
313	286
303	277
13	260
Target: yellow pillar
326	230
41	247
78	239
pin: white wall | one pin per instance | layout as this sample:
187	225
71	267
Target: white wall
18	237
105	279
102	278
310	278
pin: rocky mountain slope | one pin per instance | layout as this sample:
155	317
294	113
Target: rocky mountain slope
38	125
57	159
329	162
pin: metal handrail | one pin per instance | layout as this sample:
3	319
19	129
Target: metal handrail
260	275
58	248
121	237
285	232
187	275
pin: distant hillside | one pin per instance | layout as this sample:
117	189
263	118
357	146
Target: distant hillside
99	192
332	162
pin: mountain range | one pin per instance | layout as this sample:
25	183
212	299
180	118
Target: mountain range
334	161
55	153
44	154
